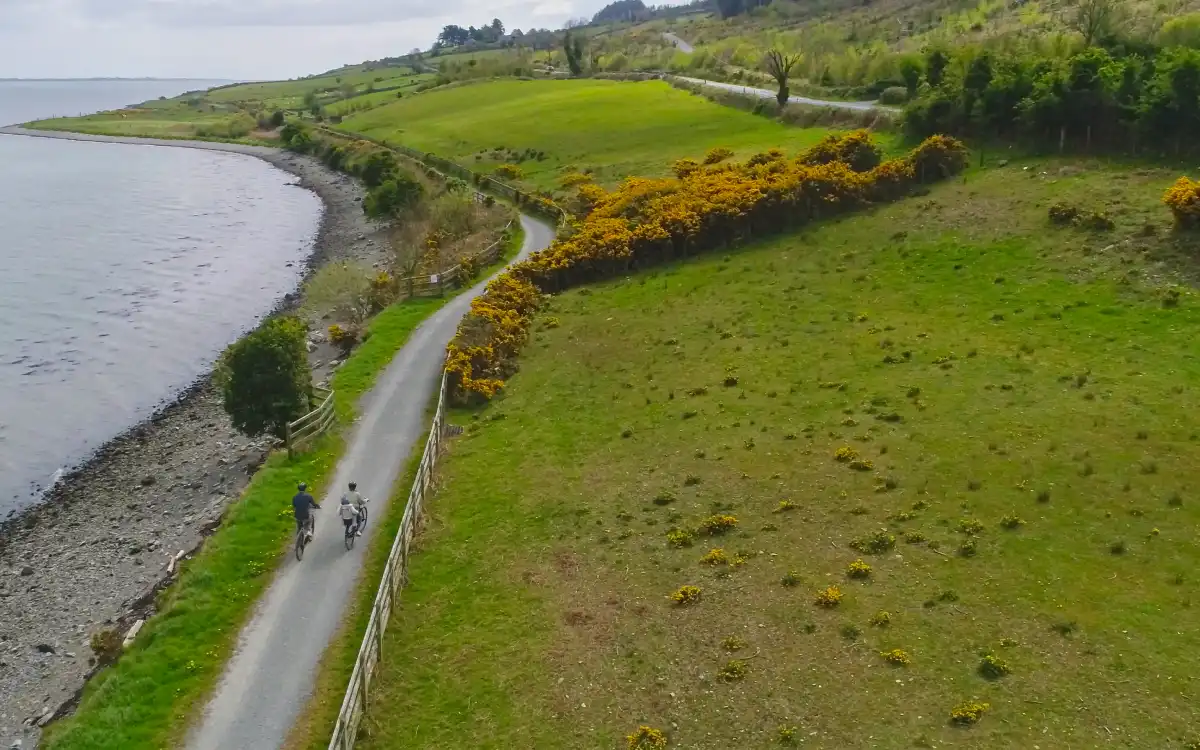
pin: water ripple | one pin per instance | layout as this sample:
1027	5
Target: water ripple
127	270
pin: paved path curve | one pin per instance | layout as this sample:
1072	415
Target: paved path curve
271	675
688	49
679	43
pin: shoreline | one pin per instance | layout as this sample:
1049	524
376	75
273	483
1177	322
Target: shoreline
95	549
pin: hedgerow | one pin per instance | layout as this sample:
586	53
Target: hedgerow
650	221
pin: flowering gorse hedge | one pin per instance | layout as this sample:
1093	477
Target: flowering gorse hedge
649	221
1183	198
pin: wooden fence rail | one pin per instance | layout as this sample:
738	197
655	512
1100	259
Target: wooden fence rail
395	577
311	424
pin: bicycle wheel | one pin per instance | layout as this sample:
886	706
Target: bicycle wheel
350	534
362	517
301	540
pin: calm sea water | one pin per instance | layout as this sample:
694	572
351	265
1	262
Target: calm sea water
124	271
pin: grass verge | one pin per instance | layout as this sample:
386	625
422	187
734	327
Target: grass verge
994	415
147	698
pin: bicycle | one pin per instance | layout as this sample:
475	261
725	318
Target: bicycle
351	533
304	536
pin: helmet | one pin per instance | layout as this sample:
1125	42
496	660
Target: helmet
302	487
353	486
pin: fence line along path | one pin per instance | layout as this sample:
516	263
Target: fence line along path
272	672
395	577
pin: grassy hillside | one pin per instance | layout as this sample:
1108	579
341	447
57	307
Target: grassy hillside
233	111
614	129
1019	401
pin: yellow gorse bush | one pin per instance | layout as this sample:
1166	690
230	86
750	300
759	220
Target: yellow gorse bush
648	221
646	738
1183	198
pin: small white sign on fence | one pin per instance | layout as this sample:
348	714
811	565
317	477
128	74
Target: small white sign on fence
433	278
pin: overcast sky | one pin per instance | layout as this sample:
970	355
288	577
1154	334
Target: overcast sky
239	39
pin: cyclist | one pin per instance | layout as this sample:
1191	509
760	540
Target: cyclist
351	508
301	505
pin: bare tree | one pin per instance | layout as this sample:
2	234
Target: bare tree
779	66
1094	18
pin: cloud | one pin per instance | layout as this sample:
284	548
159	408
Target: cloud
239	39
268	13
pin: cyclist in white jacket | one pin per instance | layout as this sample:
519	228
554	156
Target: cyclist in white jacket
351	507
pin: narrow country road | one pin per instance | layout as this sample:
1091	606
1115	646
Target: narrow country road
767	94
271	674
688	49
681	45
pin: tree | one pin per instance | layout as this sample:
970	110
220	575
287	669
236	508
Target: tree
378	167
398	192
1093	19
497	28
276	118
935	67
779	66
453	35
730	8
264	378
910	72
573	47
1181	31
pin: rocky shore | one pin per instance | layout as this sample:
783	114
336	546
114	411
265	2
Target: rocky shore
95	551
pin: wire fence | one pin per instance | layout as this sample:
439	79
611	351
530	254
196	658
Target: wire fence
395	577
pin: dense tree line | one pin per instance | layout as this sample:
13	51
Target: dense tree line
731	8
1098	98
622	10
454	35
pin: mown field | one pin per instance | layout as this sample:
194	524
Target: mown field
997	417
547	128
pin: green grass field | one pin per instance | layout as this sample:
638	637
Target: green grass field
1022	399
615	129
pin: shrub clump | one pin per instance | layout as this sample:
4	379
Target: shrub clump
828	597
715	557
680	538
858	569
684	167
874	544
785	506
968	713
343	337
717	155
881	619
896	657
106	645
855	149
970	526
1183	198
733	643
718	524
646	738
845	454
1063	214
993	667
509	172
1012	522
734	671
686	595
